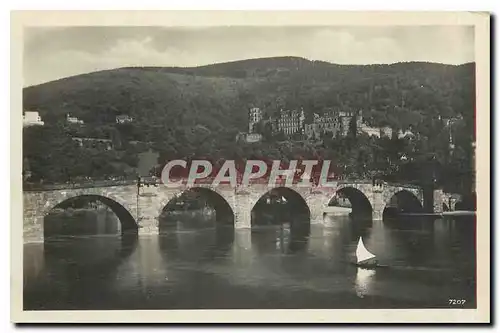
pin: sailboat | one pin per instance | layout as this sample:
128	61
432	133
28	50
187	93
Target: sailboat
365	258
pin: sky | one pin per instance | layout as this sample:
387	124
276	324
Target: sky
51	53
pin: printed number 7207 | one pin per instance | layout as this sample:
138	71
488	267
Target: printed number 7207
454	301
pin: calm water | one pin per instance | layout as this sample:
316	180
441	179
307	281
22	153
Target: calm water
194	265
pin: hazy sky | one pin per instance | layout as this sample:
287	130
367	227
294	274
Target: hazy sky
53	53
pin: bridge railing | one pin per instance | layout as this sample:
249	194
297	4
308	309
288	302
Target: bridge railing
205	181
404	185
65	186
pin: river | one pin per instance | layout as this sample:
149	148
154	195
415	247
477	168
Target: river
193	266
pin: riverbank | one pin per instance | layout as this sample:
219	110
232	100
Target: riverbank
443	214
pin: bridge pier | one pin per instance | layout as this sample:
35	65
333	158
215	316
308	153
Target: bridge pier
242	211
34	207
438	201
147	214
378	204
377	215
148	226
33	228
317	214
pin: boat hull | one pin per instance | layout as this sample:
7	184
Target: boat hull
369	264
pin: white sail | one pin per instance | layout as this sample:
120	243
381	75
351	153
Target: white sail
362	253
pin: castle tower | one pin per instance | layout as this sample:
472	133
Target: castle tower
302	118
254	116
344	124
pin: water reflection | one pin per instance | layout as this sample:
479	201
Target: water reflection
283	238
81	221
364	279
187	239
192	264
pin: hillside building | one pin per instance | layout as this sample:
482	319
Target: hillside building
248	137
104	144
73	120
345	119
255	115
333	123
406	134
32	118
290	122
123	118
375	131
327	123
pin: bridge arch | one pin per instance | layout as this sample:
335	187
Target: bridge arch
360	204
127	221
402	201
281	202
224	211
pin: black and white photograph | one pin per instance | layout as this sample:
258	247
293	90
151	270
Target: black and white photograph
253	166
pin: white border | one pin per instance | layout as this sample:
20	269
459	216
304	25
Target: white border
309	18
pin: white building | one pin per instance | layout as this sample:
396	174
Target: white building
253	137
94	142
123	118
32	118
249	137
406	134
73	120
376	131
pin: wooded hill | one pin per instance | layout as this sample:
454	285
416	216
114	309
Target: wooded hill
218	96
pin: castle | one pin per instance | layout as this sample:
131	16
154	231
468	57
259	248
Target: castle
332	122
290	122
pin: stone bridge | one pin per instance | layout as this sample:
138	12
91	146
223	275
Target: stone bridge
139	207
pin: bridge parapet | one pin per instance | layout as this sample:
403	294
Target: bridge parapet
70	186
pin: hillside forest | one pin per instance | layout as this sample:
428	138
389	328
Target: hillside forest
196	113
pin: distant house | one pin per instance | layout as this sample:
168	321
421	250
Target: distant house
248	137
123	118
32	118
406	134
386	131
376	131
73	120
371	131
105	144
